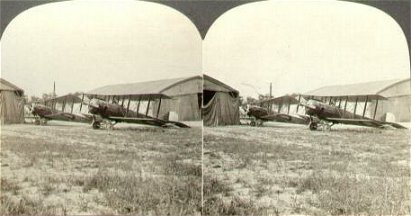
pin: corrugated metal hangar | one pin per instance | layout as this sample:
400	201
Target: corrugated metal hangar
397	93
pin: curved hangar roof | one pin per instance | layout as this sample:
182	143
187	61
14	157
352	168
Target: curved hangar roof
144	90
360	90
8	86
211	84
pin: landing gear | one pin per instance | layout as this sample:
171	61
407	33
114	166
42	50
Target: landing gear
313	123
327	126
96	125
313	126
252	123
43	121
39	121
256	122
324	125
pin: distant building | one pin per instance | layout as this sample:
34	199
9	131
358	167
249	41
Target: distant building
397	92
11	103
220	103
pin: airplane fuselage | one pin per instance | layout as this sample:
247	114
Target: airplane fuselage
262	114
41	111
324	111
105	109
46	113
257	112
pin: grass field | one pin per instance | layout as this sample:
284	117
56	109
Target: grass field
67	169
282	169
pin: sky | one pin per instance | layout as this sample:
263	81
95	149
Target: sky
300	46
86	44
295	45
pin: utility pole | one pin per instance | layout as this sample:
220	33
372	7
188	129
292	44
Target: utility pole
54	89
271	90
53	103
271	96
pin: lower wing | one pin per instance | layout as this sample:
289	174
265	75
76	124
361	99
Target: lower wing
281	117
68	117
148	121
365	122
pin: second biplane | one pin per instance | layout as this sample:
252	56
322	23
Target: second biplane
325	114
47	111
264	112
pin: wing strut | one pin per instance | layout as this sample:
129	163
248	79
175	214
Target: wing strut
64	106
355	106
72	106
81	104
345	106
148	105
375	110
339	103
365	106
138	106
158	108
288	108
128	105
299	101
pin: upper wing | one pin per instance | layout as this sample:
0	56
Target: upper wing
351	98
365	122
148	121
69	98
286	99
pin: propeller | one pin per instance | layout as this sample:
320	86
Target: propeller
306	103
94	103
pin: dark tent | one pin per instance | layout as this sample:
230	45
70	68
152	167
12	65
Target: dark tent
220	103
11	103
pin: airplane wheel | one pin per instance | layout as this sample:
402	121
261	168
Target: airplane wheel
37	121
313	126
252	123
43	122
328	128
96	125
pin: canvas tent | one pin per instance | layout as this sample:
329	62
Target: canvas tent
11	103
179	95
220	103
185	99
396	92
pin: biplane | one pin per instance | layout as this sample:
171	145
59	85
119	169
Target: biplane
112	109
48	111
264	112
324	112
